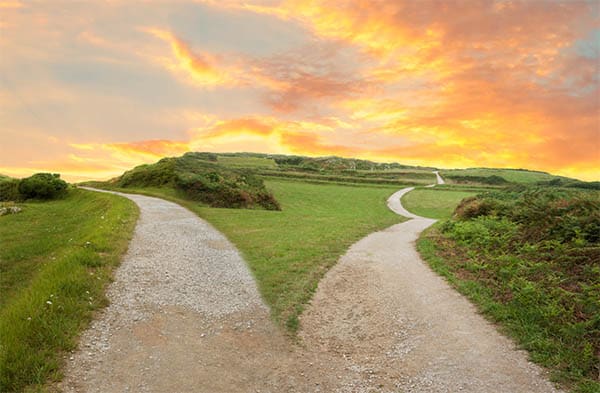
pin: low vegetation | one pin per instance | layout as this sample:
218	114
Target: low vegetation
529	258
197	177
56	258
39	186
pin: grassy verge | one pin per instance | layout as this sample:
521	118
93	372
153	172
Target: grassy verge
55	260
289	251
511	175
529	261
410	178
434	203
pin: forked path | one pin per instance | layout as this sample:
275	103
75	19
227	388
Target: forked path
185	316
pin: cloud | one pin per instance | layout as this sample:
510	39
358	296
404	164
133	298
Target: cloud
202	69
11	4
156	148
472	83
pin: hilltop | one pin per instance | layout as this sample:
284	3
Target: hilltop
196	176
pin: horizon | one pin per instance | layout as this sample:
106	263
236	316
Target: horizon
77	179
90	90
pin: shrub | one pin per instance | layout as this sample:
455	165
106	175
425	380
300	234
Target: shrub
155	175
42	186
9	190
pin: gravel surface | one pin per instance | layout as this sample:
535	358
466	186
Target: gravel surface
185	316
180	284
388	314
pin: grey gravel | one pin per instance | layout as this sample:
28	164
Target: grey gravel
175	261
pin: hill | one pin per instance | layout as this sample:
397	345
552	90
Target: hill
198	177
505	176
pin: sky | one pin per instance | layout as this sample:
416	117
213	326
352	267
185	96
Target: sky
90	89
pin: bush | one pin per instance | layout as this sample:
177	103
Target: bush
155	175
535	251
42	186
9	190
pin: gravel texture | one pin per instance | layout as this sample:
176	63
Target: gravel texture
178	269
185	316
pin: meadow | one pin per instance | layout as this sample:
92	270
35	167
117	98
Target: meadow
510	175
55	261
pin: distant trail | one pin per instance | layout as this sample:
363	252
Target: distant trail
388	315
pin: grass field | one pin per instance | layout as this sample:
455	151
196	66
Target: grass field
289	251
510	175
434	203
397	181
246	162
55	260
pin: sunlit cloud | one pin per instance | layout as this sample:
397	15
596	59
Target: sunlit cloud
11	4
451	84
203	69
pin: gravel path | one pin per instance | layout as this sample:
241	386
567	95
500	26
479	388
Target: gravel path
402	328
185	316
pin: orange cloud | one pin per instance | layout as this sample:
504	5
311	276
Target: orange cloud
312	144
203	69
11	4
156	148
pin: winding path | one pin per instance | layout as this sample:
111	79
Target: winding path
404	328
185	316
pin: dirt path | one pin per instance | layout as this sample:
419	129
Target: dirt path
185	316
389	315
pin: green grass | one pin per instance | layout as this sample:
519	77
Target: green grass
289	251
55	260
246	162
433	202
338	177
510	175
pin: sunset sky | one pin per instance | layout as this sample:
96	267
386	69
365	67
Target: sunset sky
92	88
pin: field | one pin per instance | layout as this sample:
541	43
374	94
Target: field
289	251
510	175
434	202
55	261
246	162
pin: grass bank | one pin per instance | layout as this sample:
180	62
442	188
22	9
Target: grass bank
55	261
529	260
433	202
290	250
